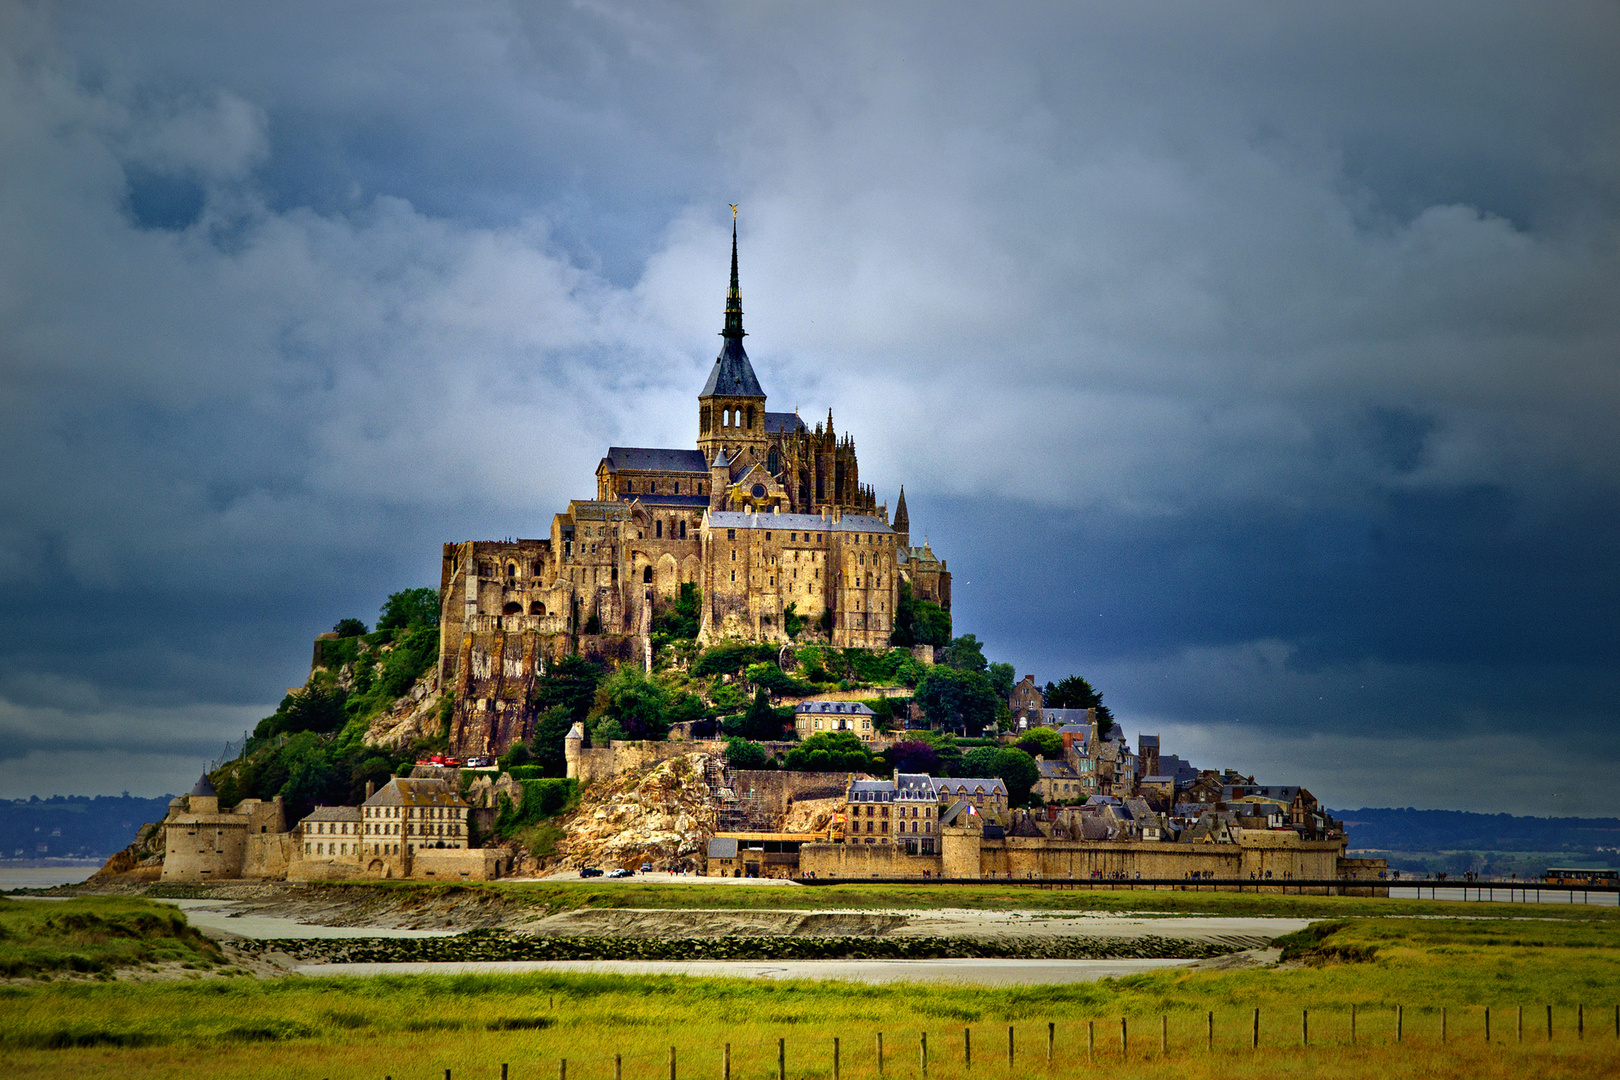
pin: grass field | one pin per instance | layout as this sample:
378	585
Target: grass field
548	897
417	1027
39	939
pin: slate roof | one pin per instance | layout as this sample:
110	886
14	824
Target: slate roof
334	813
850	523
723	847
1060	770
654	459
732	374
413	792
854	708
958	784
668	500
778	422
203	789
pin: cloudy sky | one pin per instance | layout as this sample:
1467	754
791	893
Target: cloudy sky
1259	361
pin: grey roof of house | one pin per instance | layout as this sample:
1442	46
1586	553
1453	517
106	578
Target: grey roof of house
412	792
334	813
1146	741
914	786
1284	792
958	784
1094	827
1058	769
847	707
1158	779
776	422
850	523
203	789
732	374
1067	716
879	787
655	459
723	847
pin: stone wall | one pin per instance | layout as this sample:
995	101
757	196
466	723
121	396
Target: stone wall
618	757
866	861
777	791
459	864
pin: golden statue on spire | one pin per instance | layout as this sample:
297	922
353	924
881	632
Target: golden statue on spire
733	210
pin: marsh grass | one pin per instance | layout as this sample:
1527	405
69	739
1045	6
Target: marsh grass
418	1026
653	892
95	937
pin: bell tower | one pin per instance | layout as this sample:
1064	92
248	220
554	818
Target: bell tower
731	408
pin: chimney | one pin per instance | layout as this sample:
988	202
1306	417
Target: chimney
371	788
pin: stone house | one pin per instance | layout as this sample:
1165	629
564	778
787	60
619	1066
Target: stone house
1026	703
814	717
331	833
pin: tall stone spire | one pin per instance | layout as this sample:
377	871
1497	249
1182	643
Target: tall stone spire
902	520
734	294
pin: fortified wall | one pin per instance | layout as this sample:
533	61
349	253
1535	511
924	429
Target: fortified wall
965	853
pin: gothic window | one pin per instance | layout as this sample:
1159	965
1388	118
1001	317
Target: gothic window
750	418
683	530
646	575
658	529
725	418
773	462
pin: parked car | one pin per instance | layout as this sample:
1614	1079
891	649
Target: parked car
590	871
646	868
622	871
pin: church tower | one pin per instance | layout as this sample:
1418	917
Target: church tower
731	408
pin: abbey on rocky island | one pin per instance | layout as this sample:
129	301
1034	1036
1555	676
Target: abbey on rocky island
767	517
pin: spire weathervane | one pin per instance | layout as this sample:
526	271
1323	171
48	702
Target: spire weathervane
734	294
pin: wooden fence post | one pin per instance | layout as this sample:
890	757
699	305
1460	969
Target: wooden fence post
1442	1025
1304	1027
725	1064
1009	1046
1580	1021
618	1065
562	1069
1091	1040
503	1070
1487	1023
672	1063
1521	1023
967	1049
1400	1021
835	1059
1549	1028
1352	1024
1123	1044
1209	1043
1254	1039
1164	1034
880	1052
1051	1042
781	1059
925	1053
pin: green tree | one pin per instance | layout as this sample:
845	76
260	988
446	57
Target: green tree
952	699
349	628
919	622
792	621
1043	741
410	609
570	684
1074	692
637	704
743	754
762	721
966	653
831	751
1001	679
546	745
317	707
683	618
1011	765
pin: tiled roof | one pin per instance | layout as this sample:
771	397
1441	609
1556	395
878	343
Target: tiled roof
403	792
668	500
654	459
959	784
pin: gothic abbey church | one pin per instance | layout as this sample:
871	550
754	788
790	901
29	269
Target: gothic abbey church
765	514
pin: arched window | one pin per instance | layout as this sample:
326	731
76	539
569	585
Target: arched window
513	608
725	418
750	417
773	462
536	608
646	575
658	529
511	570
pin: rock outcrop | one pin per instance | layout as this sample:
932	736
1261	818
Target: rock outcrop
661	814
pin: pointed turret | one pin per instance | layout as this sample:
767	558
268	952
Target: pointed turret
902	519
731	408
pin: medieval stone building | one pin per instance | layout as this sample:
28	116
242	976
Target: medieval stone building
767	518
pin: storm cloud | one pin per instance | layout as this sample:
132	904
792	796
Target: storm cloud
1261	363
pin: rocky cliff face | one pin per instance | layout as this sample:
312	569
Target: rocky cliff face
414	716
662	814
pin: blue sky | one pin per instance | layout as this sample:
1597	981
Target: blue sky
1259	363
